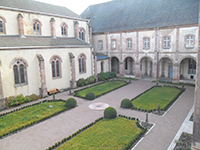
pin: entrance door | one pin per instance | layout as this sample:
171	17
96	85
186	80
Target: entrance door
170	71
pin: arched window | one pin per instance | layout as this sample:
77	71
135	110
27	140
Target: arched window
37	27
82	63
20	71
56	66
64	29
2	25
82	34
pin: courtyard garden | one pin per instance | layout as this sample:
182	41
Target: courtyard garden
100	89
26	116
158	97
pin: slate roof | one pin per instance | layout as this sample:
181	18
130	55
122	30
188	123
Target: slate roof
36	41
101	57
38	6
119	15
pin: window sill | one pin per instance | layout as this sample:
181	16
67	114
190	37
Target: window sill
54	78
20	85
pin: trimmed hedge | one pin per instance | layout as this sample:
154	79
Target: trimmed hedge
102	76
90	96
71	103
128	146
110	113
34	122
126	103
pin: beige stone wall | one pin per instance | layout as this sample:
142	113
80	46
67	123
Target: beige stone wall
12	24
33	75
105	62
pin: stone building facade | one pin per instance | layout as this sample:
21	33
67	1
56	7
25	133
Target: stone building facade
42	47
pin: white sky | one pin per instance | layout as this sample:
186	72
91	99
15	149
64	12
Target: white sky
77	6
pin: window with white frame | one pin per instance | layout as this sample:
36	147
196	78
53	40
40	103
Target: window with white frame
192	66
129	43
37	27
166	42
64	29
189	43
114	44
56	66
82	34
100	44
82	63
146	43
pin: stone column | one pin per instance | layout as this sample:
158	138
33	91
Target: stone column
95	65
121	69
20	25
53	29
154	70
163	69
146	67
43	89
131	67
73	70
176	73
137	71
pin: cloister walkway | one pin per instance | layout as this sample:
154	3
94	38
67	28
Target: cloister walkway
47	133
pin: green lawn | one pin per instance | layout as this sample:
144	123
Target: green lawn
101	88
24	117
111	134
157	95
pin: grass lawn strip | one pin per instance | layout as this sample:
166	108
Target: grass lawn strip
101	89
18	119
106	134
157	95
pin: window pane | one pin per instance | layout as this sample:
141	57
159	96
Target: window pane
16	74
80	35
38	29
57	68
83	66
83	37
22	75
53	69
79	64
1	26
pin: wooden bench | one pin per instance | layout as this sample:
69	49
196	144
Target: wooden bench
52	91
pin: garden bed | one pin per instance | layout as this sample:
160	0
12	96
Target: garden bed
19	119
101	89
119	133
184	142
164	96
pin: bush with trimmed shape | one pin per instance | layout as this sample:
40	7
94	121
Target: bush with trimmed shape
110	113
71	103
90	96
126	103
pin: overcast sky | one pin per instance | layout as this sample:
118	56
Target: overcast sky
77	6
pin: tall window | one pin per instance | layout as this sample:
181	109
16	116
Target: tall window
166	42
146	43
189	41
82	63
56	66
192	66
114	44
37	27
82	34
2	25
129	43
64	29
100	44
102	66
19	70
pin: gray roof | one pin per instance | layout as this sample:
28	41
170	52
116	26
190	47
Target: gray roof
101	57
119	15
38	6
36	41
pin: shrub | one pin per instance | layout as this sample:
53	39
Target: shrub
90	96
110	113
91	79
81	82
102	76
70	103
126	103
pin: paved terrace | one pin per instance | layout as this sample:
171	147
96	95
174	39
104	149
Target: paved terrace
47	133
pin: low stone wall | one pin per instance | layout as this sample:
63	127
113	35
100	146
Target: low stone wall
2	104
